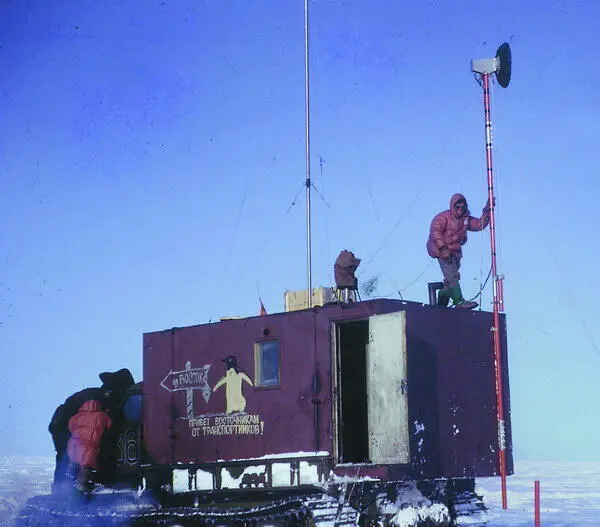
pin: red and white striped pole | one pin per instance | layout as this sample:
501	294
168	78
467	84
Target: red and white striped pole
498	301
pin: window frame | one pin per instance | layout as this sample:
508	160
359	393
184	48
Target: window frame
258	349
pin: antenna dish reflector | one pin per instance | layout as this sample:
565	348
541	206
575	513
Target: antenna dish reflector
500	65
504	64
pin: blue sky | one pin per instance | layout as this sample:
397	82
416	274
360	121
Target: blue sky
152	169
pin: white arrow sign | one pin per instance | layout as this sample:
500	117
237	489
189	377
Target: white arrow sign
189	379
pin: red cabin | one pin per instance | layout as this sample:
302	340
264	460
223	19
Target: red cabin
396	390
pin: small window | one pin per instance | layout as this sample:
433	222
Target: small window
266	363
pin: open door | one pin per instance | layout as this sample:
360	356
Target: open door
350	416
387	389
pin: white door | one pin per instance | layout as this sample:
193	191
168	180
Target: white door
387	389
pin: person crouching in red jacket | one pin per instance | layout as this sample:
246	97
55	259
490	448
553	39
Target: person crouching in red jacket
87	427
447	235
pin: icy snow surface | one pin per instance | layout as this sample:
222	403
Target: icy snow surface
570	492
570	495
409	516
414	507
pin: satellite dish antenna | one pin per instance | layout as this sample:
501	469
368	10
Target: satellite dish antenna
500	65
504	61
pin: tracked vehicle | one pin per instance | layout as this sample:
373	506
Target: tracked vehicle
375	412
362	412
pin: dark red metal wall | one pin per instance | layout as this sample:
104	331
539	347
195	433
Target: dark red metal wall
284	414
452	393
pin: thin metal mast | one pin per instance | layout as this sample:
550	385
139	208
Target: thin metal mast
307	133
498	300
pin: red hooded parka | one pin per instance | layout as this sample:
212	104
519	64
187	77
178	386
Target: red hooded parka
449	230
87	427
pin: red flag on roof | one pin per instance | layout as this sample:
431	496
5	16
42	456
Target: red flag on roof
262	311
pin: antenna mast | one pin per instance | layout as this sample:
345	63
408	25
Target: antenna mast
501	66
307	133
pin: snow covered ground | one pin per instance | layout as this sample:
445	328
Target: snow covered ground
570	495
21	478
570	492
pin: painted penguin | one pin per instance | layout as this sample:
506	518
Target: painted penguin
232	380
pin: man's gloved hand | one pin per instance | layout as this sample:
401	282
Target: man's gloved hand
487	207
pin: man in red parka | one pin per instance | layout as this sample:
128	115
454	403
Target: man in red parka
447	235
87	427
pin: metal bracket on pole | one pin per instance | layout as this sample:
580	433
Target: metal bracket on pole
501	436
